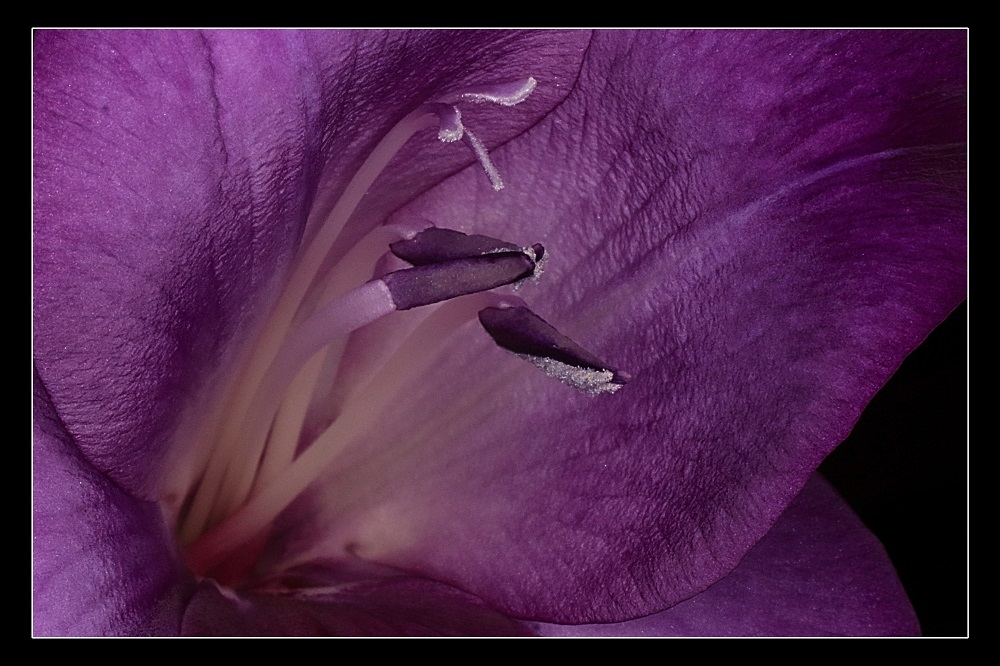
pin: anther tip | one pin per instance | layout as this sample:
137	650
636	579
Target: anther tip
519	330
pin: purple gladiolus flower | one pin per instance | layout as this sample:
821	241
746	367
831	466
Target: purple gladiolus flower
752	229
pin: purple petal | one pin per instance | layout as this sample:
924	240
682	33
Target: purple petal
174	172
103	561
761	232
904	471
817	572
104	565
435	245
781	224
524	333
395	606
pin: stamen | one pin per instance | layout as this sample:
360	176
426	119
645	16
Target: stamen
222	423
336	320
434	283
537	254
283	439
522	332
399	290
361	412
435	245
254	428
450	127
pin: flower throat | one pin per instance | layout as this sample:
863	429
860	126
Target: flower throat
277	424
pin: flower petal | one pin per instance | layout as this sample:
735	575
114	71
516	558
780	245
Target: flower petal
817	572
770	225
174	171
759	234
399	606
103	564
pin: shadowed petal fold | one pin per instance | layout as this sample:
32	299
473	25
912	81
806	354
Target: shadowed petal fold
817	572
394	606
103	562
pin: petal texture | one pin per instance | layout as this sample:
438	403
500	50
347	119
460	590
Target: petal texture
817	572
759	232
757	226
174	174
103	561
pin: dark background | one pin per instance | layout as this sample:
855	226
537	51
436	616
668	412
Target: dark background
904	470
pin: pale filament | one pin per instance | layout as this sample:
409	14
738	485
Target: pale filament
253	432
220	437
361	410
283	441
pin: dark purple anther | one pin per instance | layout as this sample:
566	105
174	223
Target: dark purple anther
441	281
435	245
539	252
521	331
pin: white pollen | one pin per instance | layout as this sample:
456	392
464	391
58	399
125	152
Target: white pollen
539	267
591	382
448	135
539	263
